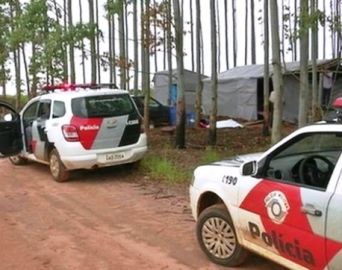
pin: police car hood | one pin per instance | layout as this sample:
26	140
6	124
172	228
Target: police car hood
236	161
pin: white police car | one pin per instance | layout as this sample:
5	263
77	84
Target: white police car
283	204
73	127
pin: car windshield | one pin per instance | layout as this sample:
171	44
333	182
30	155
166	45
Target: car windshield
102	106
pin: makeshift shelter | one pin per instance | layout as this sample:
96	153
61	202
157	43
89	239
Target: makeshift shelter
168	96
240	90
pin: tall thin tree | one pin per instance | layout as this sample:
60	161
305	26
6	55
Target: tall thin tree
253	45
136	46
199	83
234	32
71	45
226	33
92	41
180	122
83	53
213	111
304	55
266	124
278	84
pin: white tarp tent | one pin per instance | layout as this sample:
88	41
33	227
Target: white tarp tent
240	91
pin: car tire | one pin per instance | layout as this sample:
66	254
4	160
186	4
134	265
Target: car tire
57	168
17	160
217	237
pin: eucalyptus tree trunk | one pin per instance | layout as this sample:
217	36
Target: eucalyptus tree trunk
83	54
126	46
147	90
253	55
218	36
110	46
122	47
192	37
155	37
71	45
3	79
92	42
295	28
324	32
199	83
338	29
15	11
226	33
97	37
169	44
180	122
278	84
142	34
234	31
266	124
33	71
333	34
114	48
246	31
136	47
65	47
27	76
291	32
213	110
314	54
304	55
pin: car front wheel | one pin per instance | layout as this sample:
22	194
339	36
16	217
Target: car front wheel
217	237
57	168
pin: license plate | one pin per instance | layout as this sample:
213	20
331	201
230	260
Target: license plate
110	157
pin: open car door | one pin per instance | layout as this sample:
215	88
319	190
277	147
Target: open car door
10	134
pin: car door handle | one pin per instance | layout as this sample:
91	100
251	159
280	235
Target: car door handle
311	210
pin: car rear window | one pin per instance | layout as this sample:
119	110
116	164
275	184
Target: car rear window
102	106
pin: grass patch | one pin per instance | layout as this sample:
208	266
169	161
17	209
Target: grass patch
210	156
163	169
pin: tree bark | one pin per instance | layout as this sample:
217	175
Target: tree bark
246	31
92	42
180	119
147	90
213	111
192	38
253	54
136	47
234	32
266	123
278	84
199	83
82	43
304	55
71	45
98	51
226	33
314	54
122	47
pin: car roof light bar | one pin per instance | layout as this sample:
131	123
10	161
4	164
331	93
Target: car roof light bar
70	87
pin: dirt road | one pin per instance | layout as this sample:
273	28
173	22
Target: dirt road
105	219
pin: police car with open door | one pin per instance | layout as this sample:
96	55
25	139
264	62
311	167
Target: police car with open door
284	204
72	127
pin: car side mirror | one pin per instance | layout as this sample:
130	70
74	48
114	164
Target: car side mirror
249	168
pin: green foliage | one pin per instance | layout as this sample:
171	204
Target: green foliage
114	7
210	156
164	169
